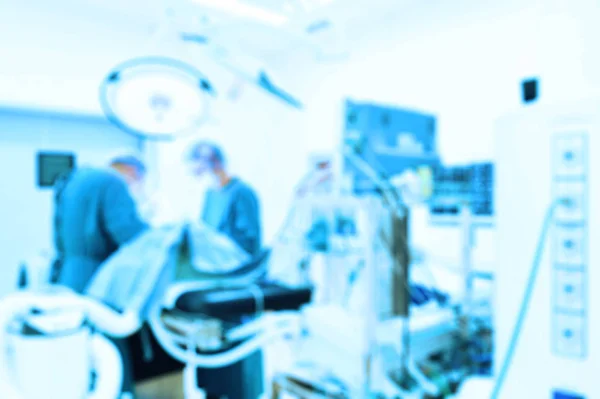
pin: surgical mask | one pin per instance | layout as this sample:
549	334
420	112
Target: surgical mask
210	181
215	182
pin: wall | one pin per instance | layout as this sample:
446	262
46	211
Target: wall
25	210
468	74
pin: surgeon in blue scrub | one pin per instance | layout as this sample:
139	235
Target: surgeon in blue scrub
231	206
95	214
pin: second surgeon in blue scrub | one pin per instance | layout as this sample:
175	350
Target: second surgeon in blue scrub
231	206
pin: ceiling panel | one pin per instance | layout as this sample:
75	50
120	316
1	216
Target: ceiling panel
319	31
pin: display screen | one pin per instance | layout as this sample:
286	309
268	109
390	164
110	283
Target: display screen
52	165
458	185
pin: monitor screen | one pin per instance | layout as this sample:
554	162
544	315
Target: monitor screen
52	165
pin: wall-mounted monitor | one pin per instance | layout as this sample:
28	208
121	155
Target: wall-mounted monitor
51	165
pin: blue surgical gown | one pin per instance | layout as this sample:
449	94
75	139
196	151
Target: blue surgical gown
94	215
234	211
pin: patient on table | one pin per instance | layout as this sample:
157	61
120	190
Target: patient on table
139	273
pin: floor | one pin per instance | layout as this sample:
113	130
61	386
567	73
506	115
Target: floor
278	356
165	387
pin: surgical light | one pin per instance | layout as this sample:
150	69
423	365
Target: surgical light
158	98
244	10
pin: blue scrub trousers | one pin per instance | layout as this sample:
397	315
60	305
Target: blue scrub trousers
241	380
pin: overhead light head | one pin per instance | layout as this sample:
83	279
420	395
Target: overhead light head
157	98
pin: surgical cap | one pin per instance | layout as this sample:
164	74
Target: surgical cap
208	153
132	162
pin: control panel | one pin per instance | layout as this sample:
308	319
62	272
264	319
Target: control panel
569	247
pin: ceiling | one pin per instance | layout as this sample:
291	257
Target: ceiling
323	31
74	42
265	29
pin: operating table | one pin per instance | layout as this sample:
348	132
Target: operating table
211	321
203	319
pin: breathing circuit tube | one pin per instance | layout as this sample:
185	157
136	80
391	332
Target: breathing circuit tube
533	274
273	327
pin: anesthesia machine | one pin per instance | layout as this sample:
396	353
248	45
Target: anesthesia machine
370	334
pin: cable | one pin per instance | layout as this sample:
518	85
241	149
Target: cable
374	171
389	194
526	301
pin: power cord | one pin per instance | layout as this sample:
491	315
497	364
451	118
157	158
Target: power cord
527	297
